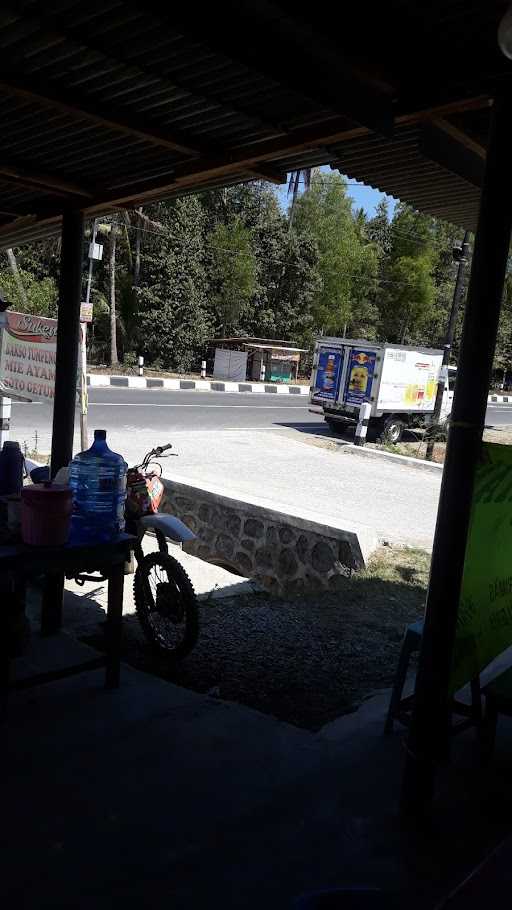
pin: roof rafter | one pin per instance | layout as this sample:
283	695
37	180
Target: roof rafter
454	150
267	172
25	176
340	86
71	102
85	37
243	158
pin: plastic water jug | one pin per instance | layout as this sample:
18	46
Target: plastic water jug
11	469
97	478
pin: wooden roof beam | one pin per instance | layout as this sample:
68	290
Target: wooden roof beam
50	94
454	150
52	183
237	161
268	173
241	158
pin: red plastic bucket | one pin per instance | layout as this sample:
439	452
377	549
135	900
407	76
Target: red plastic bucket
45	514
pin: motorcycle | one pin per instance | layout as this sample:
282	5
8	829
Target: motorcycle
165	601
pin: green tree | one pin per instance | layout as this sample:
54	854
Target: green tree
503	353
378	228
283	309
174	318
42	294
232	273
444	274
406	278
286	261
408	299
325	211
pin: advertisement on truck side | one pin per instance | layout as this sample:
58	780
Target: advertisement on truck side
328	375
360	376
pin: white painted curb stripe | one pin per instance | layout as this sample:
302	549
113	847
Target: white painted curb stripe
95	379
100	380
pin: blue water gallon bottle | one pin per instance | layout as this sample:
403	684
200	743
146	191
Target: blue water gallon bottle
97	478
11	469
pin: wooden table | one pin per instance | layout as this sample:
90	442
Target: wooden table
23	562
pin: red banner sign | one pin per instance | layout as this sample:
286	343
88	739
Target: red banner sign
27	356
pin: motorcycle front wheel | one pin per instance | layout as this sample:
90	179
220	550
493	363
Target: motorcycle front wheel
166	604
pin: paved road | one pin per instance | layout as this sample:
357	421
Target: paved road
165	413
260	446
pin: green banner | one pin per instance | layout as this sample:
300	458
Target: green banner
484	625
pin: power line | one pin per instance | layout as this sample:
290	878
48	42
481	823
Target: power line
282	262
395	230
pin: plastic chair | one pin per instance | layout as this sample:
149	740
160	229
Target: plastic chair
400	708
398	705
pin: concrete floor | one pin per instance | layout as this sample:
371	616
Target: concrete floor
155	796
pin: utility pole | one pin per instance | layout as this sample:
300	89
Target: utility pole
460	255
84	402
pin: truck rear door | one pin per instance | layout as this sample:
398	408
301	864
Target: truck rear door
327	374
359	376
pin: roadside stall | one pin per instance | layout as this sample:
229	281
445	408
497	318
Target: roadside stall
257	359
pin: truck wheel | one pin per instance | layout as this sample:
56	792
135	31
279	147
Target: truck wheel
334	426
391	430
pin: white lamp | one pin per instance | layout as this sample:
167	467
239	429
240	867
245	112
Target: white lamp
505	34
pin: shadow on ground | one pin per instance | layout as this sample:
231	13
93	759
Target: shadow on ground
344	434
305	660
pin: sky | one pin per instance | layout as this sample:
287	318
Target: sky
363	196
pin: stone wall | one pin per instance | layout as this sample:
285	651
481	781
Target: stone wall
284	553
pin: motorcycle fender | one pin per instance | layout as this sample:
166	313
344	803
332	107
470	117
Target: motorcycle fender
171	526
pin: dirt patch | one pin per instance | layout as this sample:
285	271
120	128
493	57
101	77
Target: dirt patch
417	449
306	660
413	444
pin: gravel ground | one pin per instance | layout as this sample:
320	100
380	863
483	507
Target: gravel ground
413	443
306	660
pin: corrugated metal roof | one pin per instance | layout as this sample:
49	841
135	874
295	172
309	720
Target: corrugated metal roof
399	167
115	102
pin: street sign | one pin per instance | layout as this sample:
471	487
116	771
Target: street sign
85	312
96	251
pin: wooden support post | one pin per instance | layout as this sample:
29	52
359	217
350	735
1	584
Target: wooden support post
66	365
114	628
68	328
5	419
428	742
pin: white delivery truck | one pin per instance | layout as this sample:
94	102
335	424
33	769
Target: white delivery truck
398	381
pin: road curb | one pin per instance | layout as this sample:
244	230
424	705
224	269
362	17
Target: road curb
96	380
499	399
213	385
404	460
